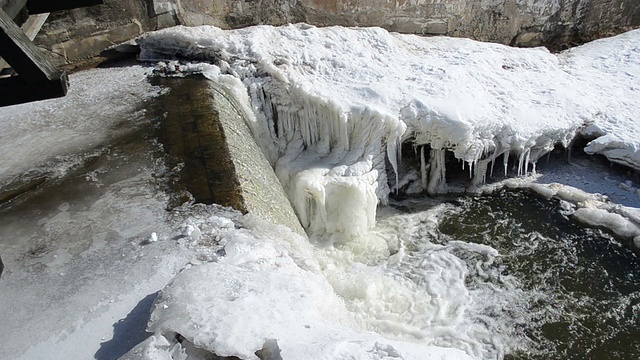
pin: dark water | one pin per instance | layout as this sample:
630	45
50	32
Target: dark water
583	284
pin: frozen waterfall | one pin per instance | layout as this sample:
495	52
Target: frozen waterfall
339	103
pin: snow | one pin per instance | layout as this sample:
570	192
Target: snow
85	259
610	68
340	101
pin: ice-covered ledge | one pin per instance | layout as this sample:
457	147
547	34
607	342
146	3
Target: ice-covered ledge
339	102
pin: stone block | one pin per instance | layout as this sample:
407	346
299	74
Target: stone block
435	27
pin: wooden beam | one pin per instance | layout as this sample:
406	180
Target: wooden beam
22	54
34	23
38	78
14	90
12	7
45	6
30	28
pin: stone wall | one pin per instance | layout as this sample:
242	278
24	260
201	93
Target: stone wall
555	23
78	35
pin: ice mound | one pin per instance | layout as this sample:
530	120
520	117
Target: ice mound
264	295
339	102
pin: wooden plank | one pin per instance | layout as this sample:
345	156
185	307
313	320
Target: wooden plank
45	6
37	77
34	23
31	28
22	54
12	7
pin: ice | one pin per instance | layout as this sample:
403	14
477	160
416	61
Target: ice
271	288
109	102
330	108
340	101
603	218
593	209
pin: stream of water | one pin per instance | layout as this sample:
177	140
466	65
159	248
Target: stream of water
579	288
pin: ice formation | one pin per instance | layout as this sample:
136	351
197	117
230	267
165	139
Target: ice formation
331	124
339	102
270	286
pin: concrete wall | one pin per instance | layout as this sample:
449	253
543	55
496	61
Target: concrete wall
77	35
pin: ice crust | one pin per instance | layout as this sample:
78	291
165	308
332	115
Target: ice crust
339	102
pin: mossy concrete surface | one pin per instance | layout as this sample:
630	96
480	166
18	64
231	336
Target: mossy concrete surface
222	162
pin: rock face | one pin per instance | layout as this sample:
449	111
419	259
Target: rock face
82	33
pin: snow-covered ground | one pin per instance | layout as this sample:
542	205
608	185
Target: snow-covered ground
83	265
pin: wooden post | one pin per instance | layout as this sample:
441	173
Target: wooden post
12	7
30	28
37	77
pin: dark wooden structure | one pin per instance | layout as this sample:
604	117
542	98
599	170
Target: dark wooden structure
45	6
37	78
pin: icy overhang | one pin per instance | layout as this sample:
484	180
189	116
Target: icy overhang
340	101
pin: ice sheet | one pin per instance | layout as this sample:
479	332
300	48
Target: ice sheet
54	135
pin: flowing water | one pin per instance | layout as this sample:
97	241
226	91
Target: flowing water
545	286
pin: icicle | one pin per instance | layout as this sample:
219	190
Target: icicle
548	157
471	164
480	175
506	162
423	168
437	178
521	162
533	169
493	161
392	155
526	162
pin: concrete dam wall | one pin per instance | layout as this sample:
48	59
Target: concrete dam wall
205	128
74	37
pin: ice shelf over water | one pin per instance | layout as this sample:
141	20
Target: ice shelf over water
339	102
97	109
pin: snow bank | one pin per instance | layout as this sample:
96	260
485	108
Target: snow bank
610	70
339	102
266	291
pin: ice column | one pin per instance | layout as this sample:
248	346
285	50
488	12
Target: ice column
437	180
